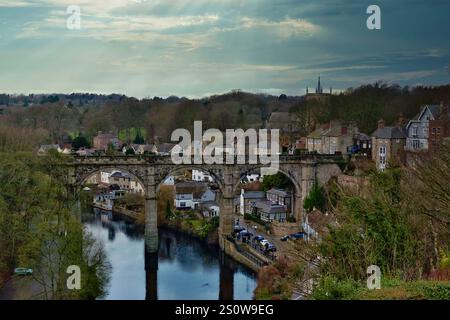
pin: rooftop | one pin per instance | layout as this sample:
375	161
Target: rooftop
254	195
389	133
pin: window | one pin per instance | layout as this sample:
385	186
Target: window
416	144
433	131
414	131
182	204
382	157
438	130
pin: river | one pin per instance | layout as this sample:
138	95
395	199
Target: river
184	268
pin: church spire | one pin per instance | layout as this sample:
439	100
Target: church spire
319	89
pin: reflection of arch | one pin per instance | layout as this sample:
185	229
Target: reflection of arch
135	175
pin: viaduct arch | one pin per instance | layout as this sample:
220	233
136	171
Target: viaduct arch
151	171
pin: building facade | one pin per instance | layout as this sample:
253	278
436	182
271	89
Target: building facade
388	144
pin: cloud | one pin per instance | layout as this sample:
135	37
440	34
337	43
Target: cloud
285	28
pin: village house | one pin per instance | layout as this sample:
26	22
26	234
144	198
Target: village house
125	182
439	128
314	140
99	178
418	129
428	127
248	200
268	211
120	179
103	140
338	138
282	198
191	194
210	209
388	144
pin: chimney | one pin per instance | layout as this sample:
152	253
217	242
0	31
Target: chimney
401	120
380	124
443	111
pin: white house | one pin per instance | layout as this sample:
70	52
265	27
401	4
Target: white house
201	176
136	187
192	195
104	177
210	209
248	200
417	128
184	201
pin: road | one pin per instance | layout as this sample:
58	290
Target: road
282	246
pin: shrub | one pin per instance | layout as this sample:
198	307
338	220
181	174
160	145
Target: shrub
330	288
315	199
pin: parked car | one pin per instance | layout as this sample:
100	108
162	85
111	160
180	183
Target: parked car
245	233
238	229
271	248
264	242
298	235
23	271
258	238
285	238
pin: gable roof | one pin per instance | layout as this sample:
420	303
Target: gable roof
434	110
165	147
389	133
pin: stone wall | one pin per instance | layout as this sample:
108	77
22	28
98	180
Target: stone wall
352	183
230	249
284	228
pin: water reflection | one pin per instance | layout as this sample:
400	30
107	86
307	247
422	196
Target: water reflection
184	268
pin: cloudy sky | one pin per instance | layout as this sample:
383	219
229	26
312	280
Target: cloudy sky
199	47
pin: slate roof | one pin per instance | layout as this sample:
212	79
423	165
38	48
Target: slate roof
363	137
269	207
119	174
254	195
165	147
389	133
